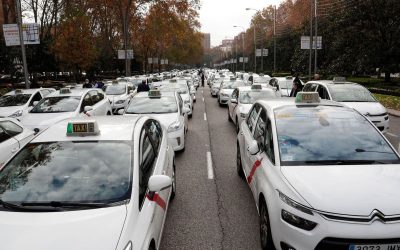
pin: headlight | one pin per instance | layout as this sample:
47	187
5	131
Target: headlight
297	221
243	115
119	101
294	204
128	246
17	114
175	126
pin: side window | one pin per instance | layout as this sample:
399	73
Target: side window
251	120
130	88
269	142
235	94
154	131
45	92
323	93
100	95
3	135
87	101
259	132
307	88
11	128
313	87
37	97
146	165
94	96
180	103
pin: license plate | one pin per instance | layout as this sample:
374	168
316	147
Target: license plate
80	128
375	247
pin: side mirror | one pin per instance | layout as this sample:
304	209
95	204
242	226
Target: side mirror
253	147
35	103
121	112
185	110
277	87
88	108
233	100
158	183
131	92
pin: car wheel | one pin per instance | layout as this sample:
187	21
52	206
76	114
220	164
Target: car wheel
229	116
239	166
265	228
108	113
173	192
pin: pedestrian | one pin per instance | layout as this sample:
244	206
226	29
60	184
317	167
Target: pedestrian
143	87
99	84
203	77
87	84
317	77
297	86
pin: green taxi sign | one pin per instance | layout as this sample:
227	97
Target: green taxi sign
82	128
307	97
18	91
154	93
65	91
256	87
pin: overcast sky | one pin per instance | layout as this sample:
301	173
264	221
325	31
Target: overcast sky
219	16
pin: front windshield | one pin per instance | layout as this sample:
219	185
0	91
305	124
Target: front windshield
14	100
87	172
57	104
250	97
117	89
261	80
285	84
329	135
146	105
181	89
350	93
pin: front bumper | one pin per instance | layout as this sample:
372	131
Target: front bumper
177	139
223	99
381	122
214	92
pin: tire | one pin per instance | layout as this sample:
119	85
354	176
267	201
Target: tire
265	228
108	113
190	116
229	116
173	192
239	166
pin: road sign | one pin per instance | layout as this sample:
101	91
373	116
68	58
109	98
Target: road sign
150	60
305	42
155	60
265	52
162	62
241	59
30	33
246	59
258	52
121	54
166	61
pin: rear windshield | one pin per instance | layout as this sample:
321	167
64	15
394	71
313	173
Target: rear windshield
250	97
146	105
329	135
14	100
350	93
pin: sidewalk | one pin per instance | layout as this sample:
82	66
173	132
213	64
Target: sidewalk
393	112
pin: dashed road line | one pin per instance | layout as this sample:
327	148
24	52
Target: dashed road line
205	117
210	169
391	134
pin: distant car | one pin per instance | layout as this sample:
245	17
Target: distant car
243	98
13	136
284	84
119	94
166	107
67	103
96	183
354	96
226	90
181	87
17	103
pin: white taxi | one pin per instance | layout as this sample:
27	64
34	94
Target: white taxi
226	90
168	108
13	136
67	103
354	96
119	94
322	176
89	184
17	103
243	98
182	88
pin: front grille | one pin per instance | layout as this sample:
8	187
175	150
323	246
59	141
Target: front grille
375	215
344	244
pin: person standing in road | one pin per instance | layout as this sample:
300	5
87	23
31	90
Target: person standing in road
203	77
87	84
297	86
143	87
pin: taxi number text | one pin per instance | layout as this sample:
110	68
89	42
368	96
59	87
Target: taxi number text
375	247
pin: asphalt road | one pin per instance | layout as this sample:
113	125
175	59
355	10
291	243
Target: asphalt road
393	134
213	209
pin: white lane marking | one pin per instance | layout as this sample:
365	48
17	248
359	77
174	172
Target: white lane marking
203	99
202	92
390	134
205	117
210	169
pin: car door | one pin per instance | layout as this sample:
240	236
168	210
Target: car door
184	115
323	93
8	144
151	205
247	129
86	101
232	106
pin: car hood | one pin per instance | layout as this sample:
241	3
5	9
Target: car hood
114	98
245	108
351	190
285	92
226	91
165	119
95	229
42	121
372	108
7	111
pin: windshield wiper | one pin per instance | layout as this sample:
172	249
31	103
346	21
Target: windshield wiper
60	204
9	205
344	162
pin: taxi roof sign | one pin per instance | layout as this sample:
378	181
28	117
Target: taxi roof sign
339	79
154	93
65	91
289	77
18	91
307	97
173	81
82	128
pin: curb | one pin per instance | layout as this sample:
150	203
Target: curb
393	112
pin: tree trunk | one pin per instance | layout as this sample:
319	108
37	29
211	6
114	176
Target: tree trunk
387	76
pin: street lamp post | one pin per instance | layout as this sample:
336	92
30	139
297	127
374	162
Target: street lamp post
255	49
244	31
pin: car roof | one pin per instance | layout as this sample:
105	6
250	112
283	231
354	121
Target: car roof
331	82
163	93
290	101
24	91
73	92
248	88
112	128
